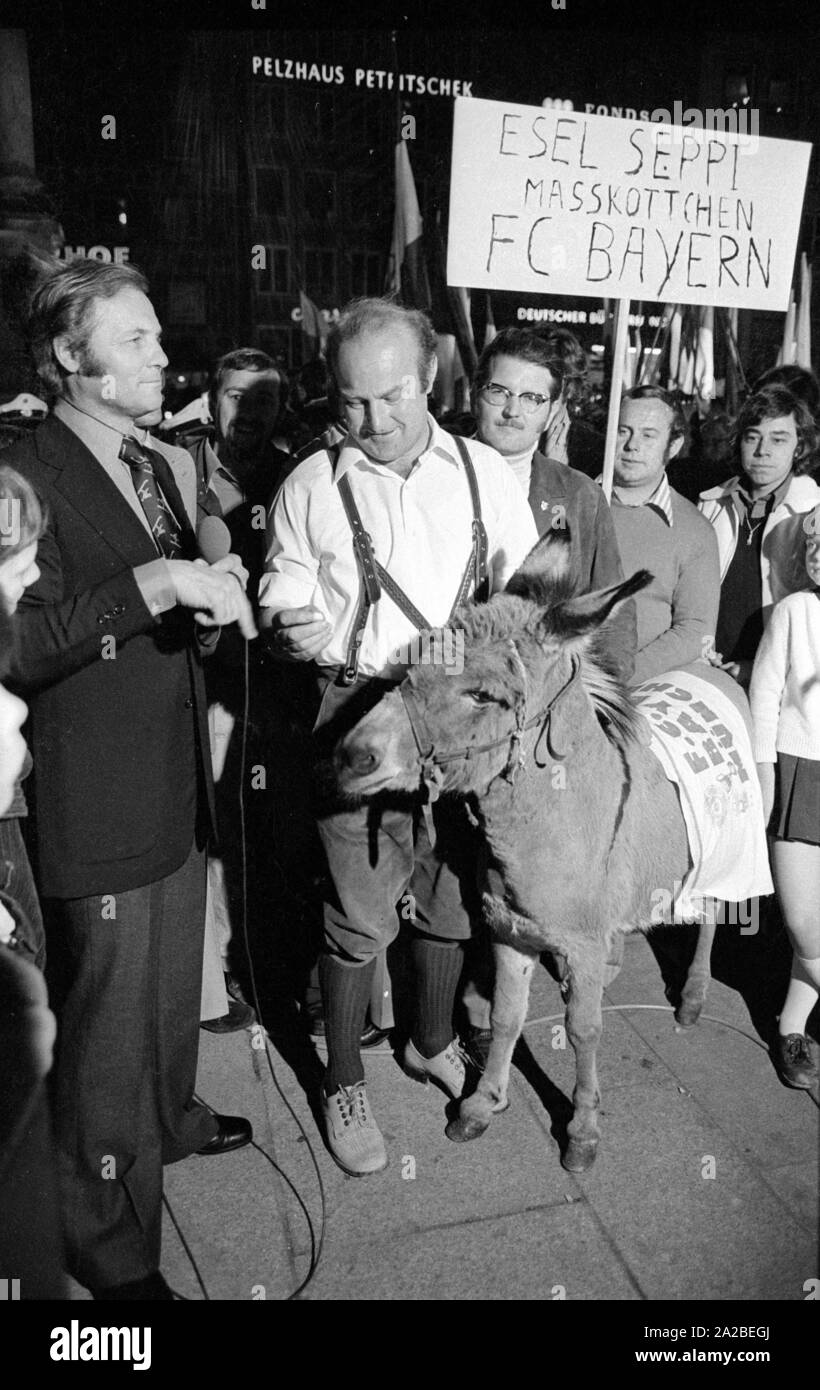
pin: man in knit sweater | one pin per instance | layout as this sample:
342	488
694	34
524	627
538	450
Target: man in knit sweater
659	530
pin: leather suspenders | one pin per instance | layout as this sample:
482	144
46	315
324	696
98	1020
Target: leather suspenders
376	580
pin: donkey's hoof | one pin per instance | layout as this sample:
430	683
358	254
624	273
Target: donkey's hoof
688	1012
464	1128
579	1156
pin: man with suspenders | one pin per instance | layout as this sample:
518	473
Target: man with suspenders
370	541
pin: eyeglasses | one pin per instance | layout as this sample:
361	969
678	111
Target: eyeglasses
529	401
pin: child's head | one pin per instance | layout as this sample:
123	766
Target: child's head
21	525
811	526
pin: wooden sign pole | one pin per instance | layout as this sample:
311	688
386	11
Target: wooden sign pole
615	388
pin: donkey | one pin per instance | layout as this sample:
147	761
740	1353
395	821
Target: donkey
581	825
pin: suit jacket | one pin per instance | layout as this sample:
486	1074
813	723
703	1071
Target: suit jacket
120	743
560	495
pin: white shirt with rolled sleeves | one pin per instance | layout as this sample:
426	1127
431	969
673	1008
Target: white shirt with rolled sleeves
421	531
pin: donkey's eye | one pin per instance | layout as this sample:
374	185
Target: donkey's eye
480	697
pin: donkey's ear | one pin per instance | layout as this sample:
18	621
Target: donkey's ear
545	576
579	618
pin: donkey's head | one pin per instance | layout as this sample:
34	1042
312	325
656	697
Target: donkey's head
532	659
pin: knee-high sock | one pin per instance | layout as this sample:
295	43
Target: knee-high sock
438	968
345	996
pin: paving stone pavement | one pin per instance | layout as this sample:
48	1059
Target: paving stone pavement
704	1187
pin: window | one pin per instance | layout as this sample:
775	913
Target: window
271	191
186	302
324	116
366	273
274	276
269	122
279	266
320	276
320	196
359	200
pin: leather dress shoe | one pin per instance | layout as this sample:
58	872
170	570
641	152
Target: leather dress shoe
234	1132
152	1288
794	1063
372	1036
239	1015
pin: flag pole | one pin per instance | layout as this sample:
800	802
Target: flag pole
615	388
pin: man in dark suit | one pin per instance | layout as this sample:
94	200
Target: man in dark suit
109	657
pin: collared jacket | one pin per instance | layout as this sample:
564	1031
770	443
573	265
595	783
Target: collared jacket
119	731
782	568
560	495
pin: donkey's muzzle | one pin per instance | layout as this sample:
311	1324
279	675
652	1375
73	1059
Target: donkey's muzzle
358	756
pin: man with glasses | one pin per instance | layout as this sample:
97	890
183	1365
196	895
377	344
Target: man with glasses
517	386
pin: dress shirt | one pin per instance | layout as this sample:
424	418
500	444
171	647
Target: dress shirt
220	482
153	579
420	528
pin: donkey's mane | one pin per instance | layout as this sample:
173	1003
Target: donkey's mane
506	616
611	700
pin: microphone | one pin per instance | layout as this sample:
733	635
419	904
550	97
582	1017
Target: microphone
213	539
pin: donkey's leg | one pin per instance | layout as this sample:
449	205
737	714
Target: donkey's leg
693	997
584	1031
513	973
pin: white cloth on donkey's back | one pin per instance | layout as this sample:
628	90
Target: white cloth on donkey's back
703	744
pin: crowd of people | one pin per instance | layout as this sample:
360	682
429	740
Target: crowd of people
188	621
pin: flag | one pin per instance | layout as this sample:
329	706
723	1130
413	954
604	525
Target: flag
490	331
675	327
802	348
459	298
734	371
449	367
450	304
705	354
634	351
407	273
314	329
786	353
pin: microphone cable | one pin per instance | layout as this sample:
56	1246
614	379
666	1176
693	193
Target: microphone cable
316	1246
317	1240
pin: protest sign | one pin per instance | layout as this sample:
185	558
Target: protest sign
556	202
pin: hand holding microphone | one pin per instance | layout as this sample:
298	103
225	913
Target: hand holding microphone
214	586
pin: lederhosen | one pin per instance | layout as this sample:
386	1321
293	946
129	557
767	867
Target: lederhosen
346	696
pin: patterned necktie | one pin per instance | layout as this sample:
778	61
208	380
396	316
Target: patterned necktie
165	528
